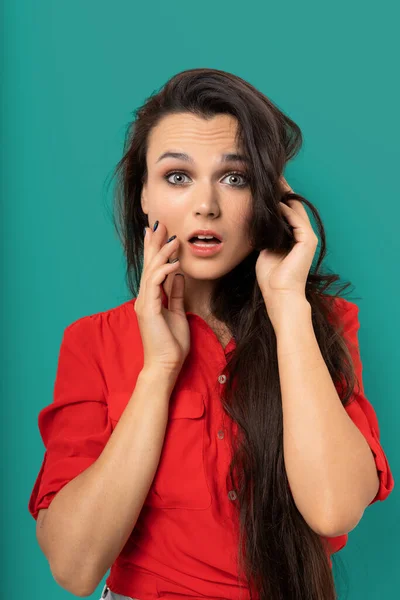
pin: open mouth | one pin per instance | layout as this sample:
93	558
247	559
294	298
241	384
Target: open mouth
204	242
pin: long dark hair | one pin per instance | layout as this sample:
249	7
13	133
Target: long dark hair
280	555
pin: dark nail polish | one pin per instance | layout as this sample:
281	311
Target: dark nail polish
144	231
171	238
155	225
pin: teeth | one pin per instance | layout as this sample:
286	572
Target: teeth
204	240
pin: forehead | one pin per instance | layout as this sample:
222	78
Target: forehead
190	133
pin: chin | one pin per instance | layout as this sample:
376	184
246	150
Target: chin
207	270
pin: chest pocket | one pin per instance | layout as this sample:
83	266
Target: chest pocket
180	479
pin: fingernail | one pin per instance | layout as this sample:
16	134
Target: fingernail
144	231
155	225
171	238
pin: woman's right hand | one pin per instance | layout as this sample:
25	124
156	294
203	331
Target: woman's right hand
165	331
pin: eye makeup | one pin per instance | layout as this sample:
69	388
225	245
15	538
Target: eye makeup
238	173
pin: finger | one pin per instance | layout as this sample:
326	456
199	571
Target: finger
152	243
176	296
155	281
146	248
301	224
166	254
284	185
299	209
290	212
155	242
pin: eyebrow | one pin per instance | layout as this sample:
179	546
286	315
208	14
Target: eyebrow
230	157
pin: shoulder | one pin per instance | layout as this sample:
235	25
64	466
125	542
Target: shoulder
102	323
348	312
342	310
345	305
343	315
340	304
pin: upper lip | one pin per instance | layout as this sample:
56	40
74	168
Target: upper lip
205	232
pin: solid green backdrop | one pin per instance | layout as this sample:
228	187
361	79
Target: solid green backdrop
72	75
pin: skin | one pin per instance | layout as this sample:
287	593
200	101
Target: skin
327	458
201	196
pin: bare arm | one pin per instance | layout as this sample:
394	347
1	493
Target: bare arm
329	464
90	519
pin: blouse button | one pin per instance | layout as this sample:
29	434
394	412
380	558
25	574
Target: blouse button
232	495
222	378
221	434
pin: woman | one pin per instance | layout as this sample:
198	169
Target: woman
207	437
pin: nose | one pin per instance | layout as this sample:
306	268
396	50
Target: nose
206	202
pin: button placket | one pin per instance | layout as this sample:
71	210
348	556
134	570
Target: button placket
221	433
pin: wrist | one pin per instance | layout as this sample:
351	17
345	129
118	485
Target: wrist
159	375
287	311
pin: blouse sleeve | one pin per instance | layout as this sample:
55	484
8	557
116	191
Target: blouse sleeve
360	410
75	427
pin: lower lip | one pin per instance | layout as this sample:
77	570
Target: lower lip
206	250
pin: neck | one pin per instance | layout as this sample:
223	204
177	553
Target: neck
197	295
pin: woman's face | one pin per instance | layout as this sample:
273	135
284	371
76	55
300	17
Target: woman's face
199	193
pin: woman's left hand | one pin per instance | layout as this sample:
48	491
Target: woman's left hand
284	275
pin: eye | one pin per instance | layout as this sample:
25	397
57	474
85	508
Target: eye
168	175
237	174
232	173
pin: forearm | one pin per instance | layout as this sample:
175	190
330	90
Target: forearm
329	464
91	518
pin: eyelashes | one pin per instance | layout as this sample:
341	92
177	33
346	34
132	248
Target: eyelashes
237	173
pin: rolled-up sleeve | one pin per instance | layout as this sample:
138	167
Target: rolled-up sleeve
360	410
75	427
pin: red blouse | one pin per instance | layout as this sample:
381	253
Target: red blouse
185	540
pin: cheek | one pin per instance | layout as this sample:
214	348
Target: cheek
241	224
244	247
163	207
241	212
172	218
243	242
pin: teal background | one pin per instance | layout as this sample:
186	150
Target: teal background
72	75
